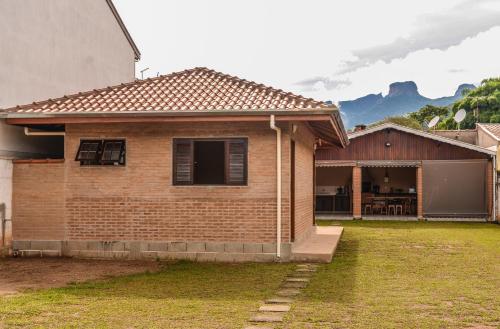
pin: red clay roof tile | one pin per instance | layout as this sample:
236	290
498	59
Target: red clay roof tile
198	89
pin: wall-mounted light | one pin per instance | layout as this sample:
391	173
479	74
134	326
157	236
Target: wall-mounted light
387	144
386	176
294	128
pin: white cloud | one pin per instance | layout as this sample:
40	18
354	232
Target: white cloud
440	30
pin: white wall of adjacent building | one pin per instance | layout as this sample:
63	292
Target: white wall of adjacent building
49	49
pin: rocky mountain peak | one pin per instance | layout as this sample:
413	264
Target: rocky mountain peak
403	88
462	87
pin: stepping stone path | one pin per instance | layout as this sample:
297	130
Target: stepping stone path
275	308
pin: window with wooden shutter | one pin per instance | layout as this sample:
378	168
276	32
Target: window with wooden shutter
236	162
209	161
183	161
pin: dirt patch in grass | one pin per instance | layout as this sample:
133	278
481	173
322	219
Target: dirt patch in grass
18	274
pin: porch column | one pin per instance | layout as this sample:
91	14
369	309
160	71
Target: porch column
356	192
420	208
489	189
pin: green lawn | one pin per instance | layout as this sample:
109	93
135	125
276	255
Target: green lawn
384	275
182	295
406	275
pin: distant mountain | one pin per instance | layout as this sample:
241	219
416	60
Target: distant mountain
403	97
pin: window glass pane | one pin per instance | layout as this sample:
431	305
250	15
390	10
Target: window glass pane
112	151
88	150
209	160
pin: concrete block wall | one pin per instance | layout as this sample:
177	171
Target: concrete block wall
154	250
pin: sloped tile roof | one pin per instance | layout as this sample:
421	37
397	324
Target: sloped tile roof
198	89
492	128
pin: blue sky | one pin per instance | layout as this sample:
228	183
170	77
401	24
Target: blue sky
329	50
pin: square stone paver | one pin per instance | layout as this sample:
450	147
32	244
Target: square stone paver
297	279
279	300
274	308
288	292
294	284
268	317
305	270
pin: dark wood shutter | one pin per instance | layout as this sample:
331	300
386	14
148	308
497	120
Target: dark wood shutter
236	162
183	162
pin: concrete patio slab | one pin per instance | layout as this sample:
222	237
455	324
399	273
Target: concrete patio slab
319	247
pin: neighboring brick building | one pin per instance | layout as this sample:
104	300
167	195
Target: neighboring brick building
180	166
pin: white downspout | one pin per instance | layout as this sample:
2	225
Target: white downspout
278	185
494	212
27	132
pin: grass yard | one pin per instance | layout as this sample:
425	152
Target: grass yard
384	275
406	275
180	295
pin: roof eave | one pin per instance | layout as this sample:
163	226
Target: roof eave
137	53
422	134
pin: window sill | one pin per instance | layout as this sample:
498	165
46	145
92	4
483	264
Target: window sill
37	161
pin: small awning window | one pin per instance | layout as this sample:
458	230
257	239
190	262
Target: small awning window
101	152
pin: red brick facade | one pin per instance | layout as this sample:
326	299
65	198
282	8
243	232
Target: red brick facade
66	201
356	192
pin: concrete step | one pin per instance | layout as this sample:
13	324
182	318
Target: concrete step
319	247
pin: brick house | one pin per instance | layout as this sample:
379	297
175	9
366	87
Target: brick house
192	165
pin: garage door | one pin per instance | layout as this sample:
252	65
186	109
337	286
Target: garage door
454	188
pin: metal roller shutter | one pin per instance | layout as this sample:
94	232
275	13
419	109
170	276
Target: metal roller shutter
454	188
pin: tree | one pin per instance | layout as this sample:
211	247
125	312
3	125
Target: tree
402	121
481	105
426	113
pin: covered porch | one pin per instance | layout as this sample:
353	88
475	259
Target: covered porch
371	189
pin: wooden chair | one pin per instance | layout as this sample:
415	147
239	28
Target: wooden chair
380	205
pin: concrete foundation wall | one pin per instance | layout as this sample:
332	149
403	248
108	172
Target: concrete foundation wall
195	251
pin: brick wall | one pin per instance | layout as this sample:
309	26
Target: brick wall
304	172
139	202
356	192
420	193
38	201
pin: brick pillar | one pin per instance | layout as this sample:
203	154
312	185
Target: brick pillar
356	192
420	208
489	189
